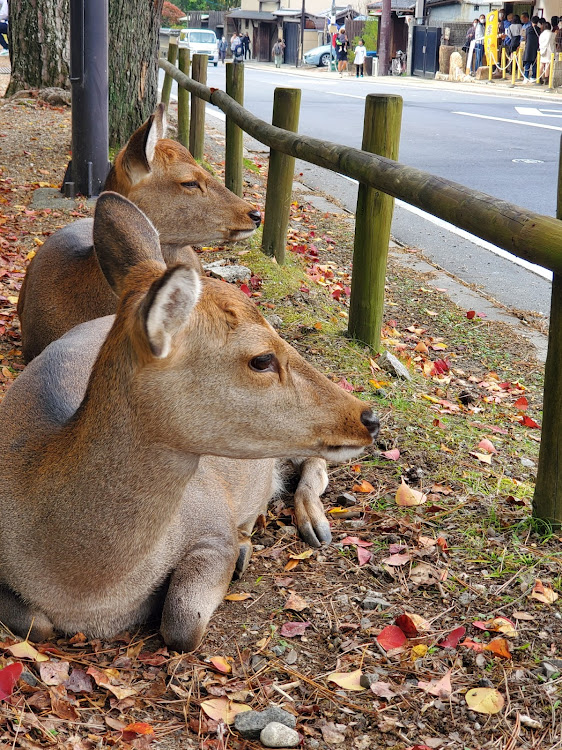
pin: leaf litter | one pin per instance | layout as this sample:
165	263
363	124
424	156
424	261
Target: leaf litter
469	392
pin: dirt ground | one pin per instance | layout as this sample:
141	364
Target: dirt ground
427	602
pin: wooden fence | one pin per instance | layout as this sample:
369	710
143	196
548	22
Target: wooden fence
528	235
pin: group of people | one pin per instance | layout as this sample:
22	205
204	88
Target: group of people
341	44
536	35
239	46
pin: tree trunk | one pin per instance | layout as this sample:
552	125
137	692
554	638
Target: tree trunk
39	44
133	65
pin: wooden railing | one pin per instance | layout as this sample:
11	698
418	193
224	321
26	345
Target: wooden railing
528	235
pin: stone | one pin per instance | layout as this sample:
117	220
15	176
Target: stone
258	662
373	600
528	463
366	680
276	734
482	74
251	723
231	274
274	320
346	500
445	52
392	364
455	63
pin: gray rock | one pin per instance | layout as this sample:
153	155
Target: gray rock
231	273
276	734
346	500
274	320
214	264
258	662
278	650
366	680
550	668
251	723
528	463
374	600
392	364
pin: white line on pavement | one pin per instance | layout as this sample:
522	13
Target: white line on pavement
536	112
506	119
539	270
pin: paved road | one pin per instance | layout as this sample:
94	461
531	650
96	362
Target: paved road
506	146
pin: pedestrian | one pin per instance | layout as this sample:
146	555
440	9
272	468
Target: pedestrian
4	27
246	45
513	33
554	21
525	25
237	48
530	51
469	38
342	45
277	50
546	48
222	49
479	30
234	42
359	58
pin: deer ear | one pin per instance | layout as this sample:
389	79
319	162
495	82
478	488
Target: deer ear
123	237
139	152
169	304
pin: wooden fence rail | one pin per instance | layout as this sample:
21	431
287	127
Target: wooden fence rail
531	236
528	235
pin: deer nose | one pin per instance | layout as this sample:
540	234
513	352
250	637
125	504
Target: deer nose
371	422
255	216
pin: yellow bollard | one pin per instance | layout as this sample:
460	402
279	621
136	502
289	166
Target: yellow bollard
551	72
504	75
538	76
513	59
519	63
491	64
560	57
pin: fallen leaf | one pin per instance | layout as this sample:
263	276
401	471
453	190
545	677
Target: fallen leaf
356	540
474	645
418	651
521	404
382	690
406	496
485	700
452	640
440	688
221	664
528	422
24	650
471	314
105	678
223	709
79	682
292	629
54	672
425	574
412	625
522	616
295	602
487	446
397	560
391	637
365	487
497	625
237	597
485	458
139	727
543	593
499	647
60	705
8	679
393	454
347	680
363	556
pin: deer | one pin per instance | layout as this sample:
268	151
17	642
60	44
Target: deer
64	285
140	448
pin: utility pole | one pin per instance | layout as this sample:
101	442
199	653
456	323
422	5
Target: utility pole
88	168
303	21
384	47
330	27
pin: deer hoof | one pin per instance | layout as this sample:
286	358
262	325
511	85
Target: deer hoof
244	556
315	536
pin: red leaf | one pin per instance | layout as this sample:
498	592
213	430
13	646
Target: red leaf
478	647
392	455
452	640
528	422
391	637
8	679
440	367
346	385
292	629
407	626
470	314
363	555
521	403
357	541
246	289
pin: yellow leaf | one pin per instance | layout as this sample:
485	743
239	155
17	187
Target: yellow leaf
24	650
31	254
13	300
406	496
485	700
221	664
445	449
237	597
347	680
303	555
38	241
430	398
418	651
223	709
485	458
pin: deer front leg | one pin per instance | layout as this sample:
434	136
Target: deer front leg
19	617
197	587
311	519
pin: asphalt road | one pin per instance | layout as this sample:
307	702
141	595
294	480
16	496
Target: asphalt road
506	146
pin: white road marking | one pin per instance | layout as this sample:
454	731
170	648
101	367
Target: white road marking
539	270
536	112
351	96
506	119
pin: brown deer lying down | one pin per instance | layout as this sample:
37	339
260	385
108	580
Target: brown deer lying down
122	491
64	285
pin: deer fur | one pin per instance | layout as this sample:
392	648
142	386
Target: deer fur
139	449
64	285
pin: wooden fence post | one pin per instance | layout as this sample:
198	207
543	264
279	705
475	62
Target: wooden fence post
234	151
197	123
172	57
547	500
183	99
286	106
381	135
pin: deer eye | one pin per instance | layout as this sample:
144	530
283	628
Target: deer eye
192	184
263	363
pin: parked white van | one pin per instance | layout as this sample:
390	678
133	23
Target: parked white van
201	41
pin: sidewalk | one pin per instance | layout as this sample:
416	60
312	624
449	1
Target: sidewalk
497	87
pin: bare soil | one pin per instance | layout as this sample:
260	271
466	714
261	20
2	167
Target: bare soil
470	553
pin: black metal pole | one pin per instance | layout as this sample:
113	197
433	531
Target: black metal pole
88	169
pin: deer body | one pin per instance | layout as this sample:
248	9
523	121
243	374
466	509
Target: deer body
64	284
139	450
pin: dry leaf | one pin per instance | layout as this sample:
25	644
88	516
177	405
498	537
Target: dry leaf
54	672
499	647
382	690
484	458
441	688
391	637
223	709
24	650
237	597
487	446
347	680
365	487
295	602
406	496
221	664
412	625
543	593
485	700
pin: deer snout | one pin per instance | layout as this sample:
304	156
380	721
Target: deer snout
255	216
370	420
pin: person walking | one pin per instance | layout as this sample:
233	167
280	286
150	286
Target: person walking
530	51
222	49
479	43
359	56
246	45
277	50
342	46
4	27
